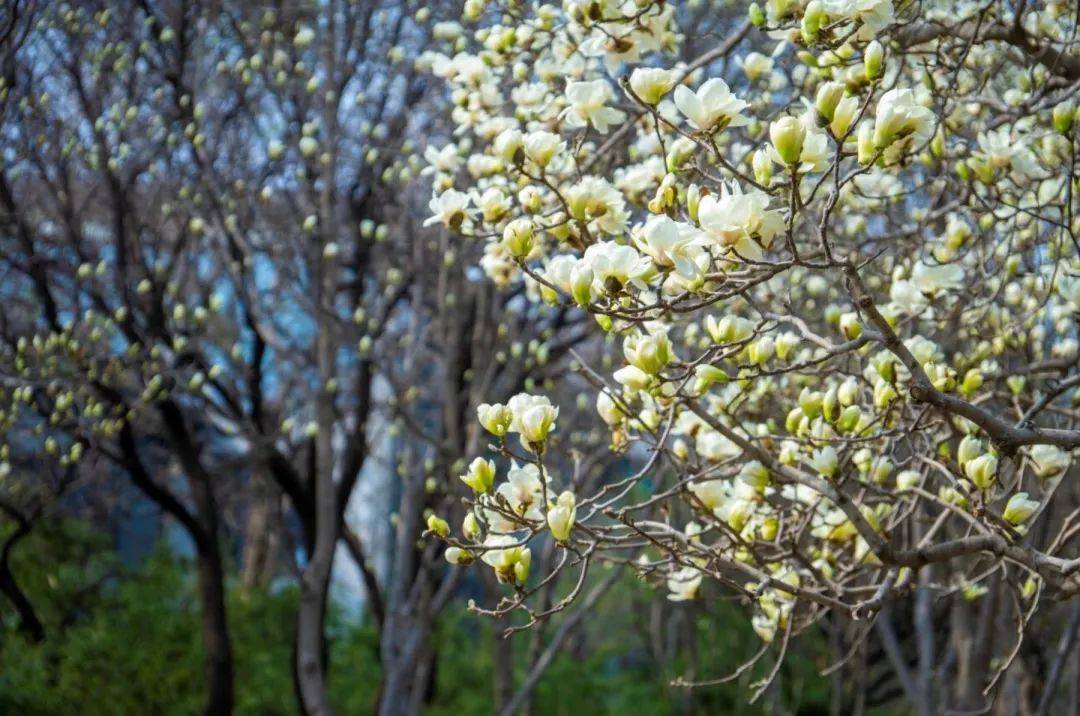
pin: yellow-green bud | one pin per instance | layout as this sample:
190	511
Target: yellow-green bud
1064	115
828	96
873	60
787	135
438	526
756	14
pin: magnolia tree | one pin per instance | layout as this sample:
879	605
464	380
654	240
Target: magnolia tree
838	251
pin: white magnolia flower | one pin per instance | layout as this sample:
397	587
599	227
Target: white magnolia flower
740	222
899	117
651	83
651	352
711	445
815	148
448	208
534	416
495	418
541	147
671	244
713	105
558	272
523	491
908	298
467	69
932	280
511	562
1001	149
508	142
588	102
445	160
1049	460
756	65
684	584
596	202
637	179
498	264
615	265
872	15
825	461
1068	287
493	204
632	377
649	33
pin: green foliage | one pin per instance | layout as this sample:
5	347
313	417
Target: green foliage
127	640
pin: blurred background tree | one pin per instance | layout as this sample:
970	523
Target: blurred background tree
237	374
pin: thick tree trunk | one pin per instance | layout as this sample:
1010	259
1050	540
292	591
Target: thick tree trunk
408	667
217	648
310	647
205	529
260	535
310	656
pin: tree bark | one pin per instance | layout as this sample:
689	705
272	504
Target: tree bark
29	623
217	647
260	534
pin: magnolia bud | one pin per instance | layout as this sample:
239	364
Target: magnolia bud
843	116
762	167
882	470
982	470
1019	508
651	84
581	281
810	402
873	60
1064	115
973	380
884	394
849	419
438	526
787	135
786	343
970	448
848	391
761	350
518	238
828	96
756	15
825	461
755	475
907	479
561	517
850	326
481	475
495	418
693	200
830	408
813	18
470	527
866	142
456	555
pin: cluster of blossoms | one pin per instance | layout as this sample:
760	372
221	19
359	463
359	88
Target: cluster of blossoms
507	515
842	282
